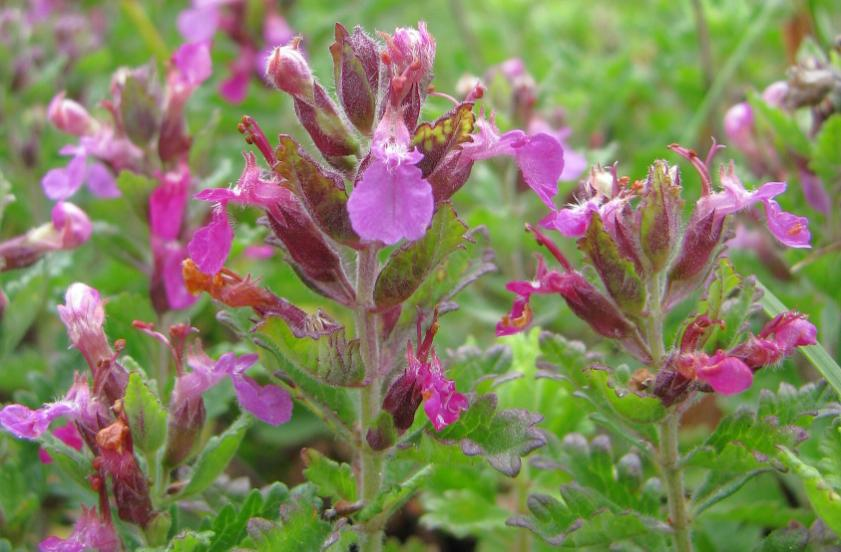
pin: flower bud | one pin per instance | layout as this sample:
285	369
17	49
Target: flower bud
128	482
739	125
356	69
186	420
629	470
775	94
72	223
403	399
69	116
698	253
288	70
660	214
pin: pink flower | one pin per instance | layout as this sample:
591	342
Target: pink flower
288	70
268	403
788	228
411	52
91	532
78	405
392	200
199	23
727	375
603	197
192	64
575	163
67	434
72	224
211	244
442	404
69	116
540	157
790	330
235	87
60	184
167	203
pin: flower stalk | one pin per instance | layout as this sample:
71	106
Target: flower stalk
369	461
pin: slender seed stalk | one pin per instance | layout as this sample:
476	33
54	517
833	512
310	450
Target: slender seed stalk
369	461
669	456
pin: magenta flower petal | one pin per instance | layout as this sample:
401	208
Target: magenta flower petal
101	182
541	160
192	60
59	184
814	192
235	88
198	24
26	423
73	224
572	221
167	204
390	203
90	533
788	228
725	374
176	290
211	244
268	403
517	320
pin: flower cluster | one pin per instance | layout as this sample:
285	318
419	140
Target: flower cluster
204	18
647	261
142	117
97	416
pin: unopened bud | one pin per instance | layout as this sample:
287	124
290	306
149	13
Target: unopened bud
128	482
289	71
69	116
629	470
186	421
739	124
660	215
72	223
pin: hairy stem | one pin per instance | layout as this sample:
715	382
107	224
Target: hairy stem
370	462
673	476
669	457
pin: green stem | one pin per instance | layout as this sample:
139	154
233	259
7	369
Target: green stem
669	463
669	457
146	29
370	462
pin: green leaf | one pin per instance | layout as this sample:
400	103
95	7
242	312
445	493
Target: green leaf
785	539
470	367
409	265
616	272
825	161
463	512
332	479
136	189
830	447
391	498
501	437
330	358
816	354
626	403
581	521
301	528
146	415
323	192
824	499
26	295
215	457
139	110
229	527
332	403
189	541
724	282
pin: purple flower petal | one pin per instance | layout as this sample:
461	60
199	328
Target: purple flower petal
26	423
788	228
90	533
60	184
73	224
176	290
814	192
192	60
572	221
167	204
541	160
211	244
101	182
725	374
390	202
235	88
198	24
268	403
